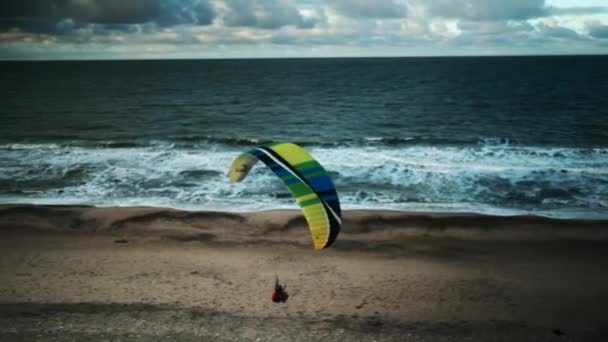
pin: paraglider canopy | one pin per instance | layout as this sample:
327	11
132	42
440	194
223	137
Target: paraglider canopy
306	180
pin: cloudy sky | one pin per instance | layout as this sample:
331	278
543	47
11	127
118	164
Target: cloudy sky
101	29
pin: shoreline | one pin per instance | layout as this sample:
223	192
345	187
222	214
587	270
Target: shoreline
558	214
290	225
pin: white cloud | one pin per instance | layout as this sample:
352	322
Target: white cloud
368	9
267	14
486	10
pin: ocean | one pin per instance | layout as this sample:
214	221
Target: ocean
491	135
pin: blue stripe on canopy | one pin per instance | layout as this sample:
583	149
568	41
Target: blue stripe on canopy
312	170
330	197
291	181
321	183
281	172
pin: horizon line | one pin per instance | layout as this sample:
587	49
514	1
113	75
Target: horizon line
306	57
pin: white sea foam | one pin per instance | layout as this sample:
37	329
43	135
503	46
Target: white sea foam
490	178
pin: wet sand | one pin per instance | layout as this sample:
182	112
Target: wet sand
147	274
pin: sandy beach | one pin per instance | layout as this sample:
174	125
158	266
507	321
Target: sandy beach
70	273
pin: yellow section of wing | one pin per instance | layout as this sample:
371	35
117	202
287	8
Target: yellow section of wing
292	153
318	223
241	166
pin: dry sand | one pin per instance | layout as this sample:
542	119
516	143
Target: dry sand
149	274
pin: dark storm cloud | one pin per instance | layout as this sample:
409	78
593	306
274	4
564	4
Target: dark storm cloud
27	8
111	11
557	32
45	16
100	11
267	14
31	24
38	16
597	30
368	9
175	12
488	10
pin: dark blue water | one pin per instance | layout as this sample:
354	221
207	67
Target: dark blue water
499	135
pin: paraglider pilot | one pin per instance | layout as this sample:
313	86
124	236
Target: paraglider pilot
279	295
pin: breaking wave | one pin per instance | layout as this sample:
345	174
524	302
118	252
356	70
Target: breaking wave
486	176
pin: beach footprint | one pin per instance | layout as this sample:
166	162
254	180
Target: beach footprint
360	306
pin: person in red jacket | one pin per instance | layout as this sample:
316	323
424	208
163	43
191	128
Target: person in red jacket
279	295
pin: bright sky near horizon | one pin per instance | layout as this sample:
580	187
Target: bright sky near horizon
108	29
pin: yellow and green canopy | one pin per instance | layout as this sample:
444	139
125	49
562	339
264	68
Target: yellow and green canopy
307	181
